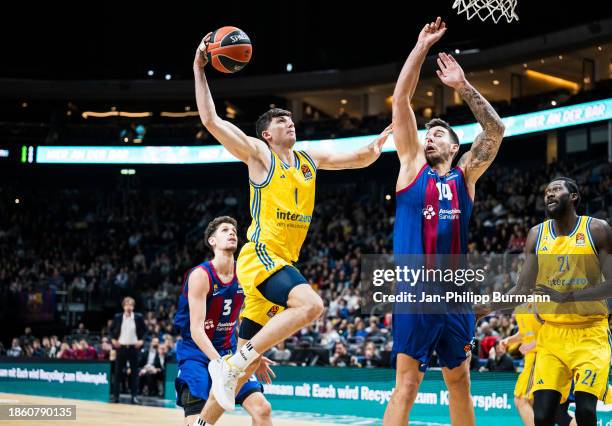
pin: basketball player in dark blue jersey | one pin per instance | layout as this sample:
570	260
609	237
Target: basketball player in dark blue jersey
207	316
434	203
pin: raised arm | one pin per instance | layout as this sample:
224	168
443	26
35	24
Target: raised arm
484	149
199	285
362	157
231	137
405	135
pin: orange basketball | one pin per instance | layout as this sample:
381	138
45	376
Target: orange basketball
229	49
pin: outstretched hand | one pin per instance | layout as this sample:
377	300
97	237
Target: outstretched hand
450	72
201	59
432	32
264	373
382	138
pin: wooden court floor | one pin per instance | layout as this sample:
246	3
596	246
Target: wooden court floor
92	413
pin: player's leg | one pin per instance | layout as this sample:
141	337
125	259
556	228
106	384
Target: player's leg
545	405
552	376
461	405
265	298
408	378
591	366
255	403
563	418
286	288
304	306
525	408
197	410
454	351
258	408
211	411
523	401
414	337
193	393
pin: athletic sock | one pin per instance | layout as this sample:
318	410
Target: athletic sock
245	355
199	422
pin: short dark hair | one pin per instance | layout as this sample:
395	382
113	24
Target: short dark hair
571	186
264	120
214	225
439	122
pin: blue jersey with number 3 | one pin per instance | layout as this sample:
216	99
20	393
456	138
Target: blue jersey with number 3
223	304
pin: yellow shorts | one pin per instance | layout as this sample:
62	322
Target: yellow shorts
524	383
581	353
255	265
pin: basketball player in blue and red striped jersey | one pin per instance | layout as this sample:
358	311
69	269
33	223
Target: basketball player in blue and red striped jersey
434	203
207	315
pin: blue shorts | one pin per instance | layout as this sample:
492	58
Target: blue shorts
194	374
418	335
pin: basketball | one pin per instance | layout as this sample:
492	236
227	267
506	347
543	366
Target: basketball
229	49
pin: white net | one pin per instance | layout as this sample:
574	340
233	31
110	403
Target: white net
487	9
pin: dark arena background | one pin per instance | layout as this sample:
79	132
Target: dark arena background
109	179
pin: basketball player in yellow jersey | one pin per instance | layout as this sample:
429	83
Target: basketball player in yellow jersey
528	326
279	301
566	256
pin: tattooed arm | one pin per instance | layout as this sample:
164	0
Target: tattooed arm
484	149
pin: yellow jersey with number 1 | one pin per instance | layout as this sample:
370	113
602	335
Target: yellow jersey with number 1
569	263
281	207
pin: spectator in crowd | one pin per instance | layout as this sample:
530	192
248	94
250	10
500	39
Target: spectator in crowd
128	333
105	349
65	352
152	362
37	350
27	337
279	353
86	351
55	346
371	358
499	360
170	347
341	357
15	350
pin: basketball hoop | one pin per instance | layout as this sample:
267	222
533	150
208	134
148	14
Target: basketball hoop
485	9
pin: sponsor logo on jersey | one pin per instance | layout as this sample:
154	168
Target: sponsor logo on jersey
449	214
580	241
293	217
444	214
273	311
226	326
209	324
306	171
429	212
